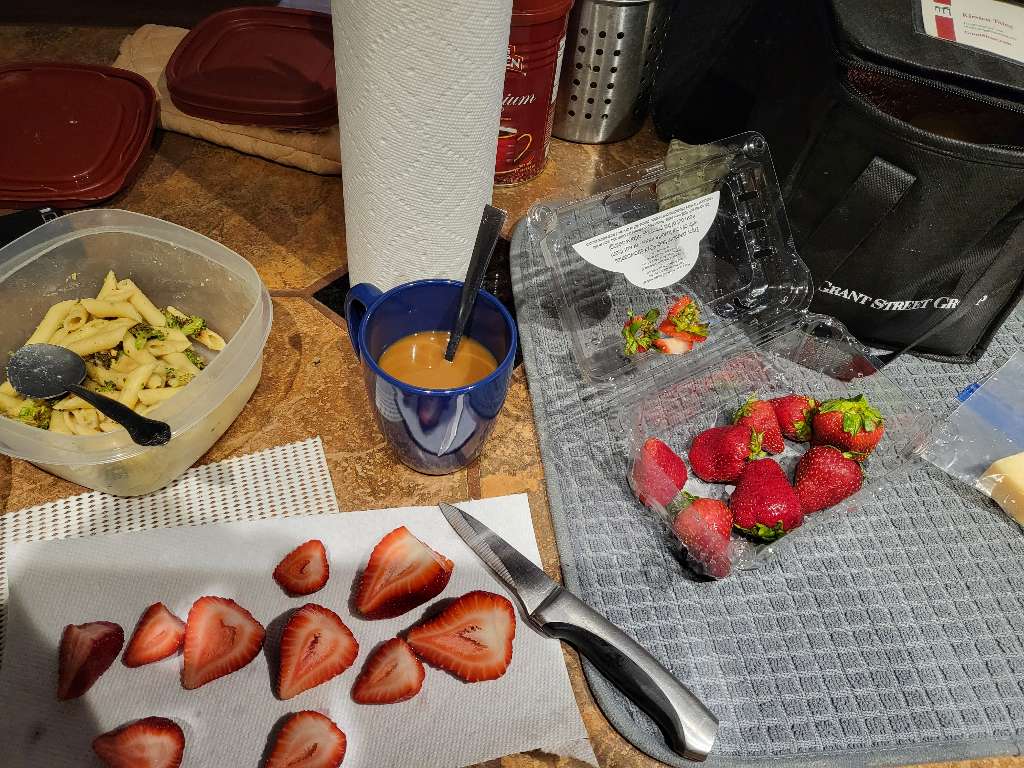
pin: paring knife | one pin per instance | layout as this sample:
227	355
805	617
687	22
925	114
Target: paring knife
688	725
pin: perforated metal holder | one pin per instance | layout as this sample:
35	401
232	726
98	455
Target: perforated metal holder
611	53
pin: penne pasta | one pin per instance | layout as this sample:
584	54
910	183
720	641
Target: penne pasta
153	396
52	320
12	404
82	422
141	367
103	376
210	340
58	423
71	403
109	309
134	384
181	363
76	318
147	308
100	341
109	285
164	347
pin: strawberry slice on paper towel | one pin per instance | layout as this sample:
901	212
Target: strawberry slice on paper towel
308	740
391	674
153	742
471	638
304	570
158	634
221	637
315	647
401	574
86	652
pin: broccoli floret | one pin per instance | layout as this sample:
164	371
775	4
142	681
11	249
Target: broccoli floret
195	359
36	415
143	332
190	325
106	386
105	358
180	378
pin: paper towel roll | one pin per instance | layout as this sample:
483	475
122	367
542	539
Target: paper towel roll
419	101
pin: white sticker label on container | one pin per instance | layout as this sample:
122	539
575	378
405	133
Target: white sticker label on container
657	251
995	26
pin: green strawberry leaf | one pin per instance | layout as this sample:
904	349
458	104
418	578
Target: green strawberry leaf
745	409
756	439
851	422
869	424
802	429
681	501
762	531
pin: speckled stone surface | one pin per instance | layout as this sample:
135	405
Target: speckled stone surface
290	225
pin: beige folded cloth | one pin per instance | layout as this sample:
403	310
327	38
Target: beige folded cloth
147	51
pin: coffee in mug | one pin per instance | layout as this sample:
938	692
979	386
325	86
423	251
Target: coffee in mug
418	359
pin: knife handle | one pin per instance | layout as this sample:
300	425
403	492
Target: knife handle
688	726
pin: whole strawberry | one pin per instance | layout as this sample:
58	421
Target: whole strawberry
683	322
794	413
717	455
659	476
853	426
825	476
703	527
640	331
763	503
760	417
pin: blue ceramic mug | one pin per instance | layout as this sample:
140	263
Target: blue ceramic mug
434	431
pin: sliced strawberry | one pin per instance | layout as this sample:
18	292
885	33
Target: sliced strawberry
153	742
308	740
683	322
315	646
472	638
391	674
158	634
639	331
86	652
673	346
304	570
402	573
221	637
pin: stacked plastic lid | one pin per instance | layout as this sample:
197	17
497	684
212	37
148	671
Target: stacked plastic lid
71	134
269	66
706	224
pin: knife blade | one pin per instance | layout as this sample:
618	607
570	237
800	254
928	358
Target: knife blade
689	727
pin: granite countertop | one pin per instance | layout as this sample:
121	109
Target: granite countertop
290	225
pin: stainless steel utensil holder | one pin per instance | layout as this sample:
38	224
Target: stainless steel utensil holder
611	53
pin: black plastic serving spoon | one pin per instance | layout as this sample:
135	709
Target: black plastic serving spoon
486	238
46	371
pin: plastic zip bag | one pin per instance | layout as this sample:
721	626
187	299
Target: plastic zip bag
981	444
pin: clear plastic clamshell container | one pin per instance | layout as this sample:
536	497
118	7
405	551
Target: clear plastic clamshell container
708	222
67	258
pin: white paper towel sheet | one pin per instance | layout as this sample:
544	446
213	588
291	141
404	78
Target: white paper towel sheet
419	102
77	577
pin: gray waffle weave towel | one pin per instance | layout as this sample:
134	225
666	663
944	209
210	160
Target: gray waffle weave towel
894	634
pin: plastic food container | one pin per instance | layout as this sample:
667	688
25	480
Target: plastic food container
68	258
709	224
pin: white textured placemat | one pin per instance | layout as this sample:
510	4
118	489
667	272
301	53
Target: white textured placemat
96	557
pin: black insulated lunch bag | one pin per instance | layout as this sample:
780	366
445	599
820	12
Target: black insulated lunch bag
902	154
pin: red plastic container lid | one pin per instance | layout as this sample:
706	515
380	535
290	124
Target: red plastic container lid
72	134
257	66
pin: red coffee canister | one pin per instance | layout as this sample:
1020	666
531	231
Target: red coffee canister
536	42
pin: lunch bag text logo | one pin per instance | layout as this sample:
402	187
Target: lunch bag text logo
887	305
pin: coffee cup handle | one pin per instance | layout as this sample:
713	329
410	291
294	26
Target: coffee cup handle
358	299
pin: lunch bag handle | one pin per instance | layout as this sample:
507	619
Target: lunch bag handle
872	197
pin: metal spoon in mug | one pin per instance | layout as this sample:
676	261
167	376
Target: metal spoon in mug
486	238
46	371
